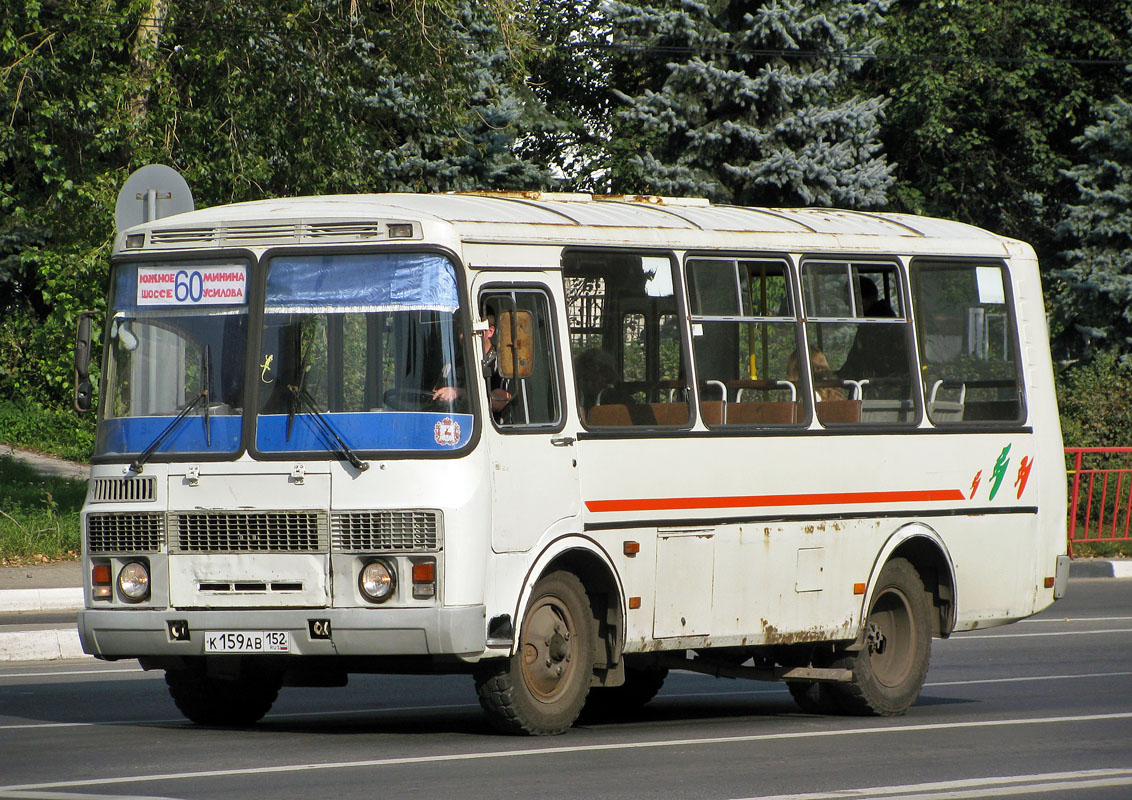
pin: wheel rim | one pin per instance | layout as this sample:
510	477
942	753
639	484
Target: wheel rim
547	663
891	638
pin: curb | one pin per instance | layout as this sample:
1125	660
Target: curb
24	600
45	645
1101	568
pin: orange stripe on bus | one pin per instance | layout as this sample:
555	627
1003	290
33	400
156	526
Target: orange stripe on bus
779	500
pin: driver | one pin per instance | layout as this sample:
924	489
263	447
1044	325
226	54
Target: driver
498	393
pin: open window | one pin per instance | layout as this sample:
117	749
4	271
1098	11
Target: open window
625	339
519	364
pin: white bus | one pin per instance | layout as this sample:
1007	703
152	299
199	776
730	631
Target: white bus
565	444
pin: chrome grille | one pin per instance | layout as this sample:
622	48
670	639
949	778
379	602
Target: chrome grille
369	531
125	533
123	490
248	532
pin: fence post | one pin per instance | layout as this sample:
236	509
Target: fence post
1073	504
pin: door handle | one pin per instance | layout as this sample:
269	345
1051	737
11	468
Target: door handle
562	441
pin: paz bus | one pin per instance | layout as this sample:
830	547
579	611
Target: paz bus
564	444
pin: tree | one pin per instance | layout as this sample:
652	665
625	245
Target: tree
249	99
986	99
746	101
1092	295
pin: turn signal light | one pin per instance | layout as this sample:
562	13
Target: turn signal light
424	580
101	581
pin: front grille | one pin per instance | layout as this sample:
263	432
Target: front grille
248	532
370	531
123	490
125	533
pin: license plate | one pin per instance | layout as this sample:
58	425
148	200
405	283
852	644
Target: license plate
247	642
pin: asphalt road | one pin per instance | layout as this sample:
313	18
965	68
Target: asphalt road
1040	708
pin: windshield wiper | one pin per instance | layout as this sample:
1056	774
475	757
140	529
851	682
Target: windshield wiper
300	398
206	381
206	391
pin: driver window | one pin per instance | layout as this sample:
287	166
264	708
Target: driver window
519	397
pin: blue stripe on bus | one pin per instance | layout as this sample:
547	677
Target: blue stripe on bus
135	434
377	430
374	430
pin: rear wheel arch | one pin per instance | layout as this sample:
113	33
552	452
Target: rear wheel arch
922	547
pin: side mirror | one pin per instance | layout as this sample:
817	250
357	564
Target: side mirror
515	330
84	391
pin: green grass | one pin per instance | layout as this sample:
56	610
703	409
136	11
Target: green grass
59	432
39	515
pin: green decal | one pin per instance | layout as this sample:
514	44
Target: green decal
999	470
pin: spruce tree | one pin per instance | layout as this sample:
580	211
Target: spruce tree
747	101
1092	295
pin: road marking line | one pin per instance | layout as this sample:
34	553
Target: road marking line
567	750
1030	678
1032	621
975	787
980	636
64	673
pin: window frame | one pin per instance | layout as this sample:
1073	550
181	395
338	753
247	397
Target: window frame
915	266
554	346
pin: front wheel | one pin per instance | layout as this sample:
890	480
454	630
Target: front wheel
889	671
220	702
541	689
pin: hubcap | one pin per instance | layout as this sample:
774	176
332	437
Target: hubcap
891	638
548	665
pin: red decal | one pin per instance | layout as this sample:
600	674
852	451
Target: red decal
764	501
975	483
1023	475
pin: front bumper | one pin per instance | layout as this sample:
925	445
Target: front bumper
134	633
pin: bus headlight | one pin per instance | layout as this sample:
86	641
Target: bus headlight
377	581
133	581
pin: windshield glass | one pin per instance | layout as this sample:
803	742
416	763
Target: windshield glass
177	334
361	348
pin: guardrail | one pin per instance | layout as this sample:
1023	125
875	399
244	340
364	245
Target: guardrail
1100	494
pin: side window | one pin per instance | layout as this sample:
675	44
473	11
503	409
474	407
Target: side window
745	339
968	343
860	343
522	381
625	340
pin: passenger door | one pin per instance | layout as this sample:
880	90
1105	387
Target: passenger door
533	465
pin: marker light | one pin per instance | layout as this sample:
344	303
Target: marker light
424	580
377	581
100	580
133	581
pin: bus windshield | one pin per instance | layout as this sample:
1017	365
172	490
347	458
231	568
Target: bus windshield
175	357
362	351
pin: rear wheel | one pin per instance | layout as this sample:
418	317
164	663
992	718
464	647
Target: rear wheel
541	689
889	671
814	697
217	701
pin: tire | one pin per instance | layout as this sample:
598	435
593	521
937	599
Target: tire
610	702
223	703
889	671
814	697
541	689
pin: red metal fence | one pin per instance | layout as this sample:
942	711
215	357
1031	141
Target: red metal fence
1100	494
